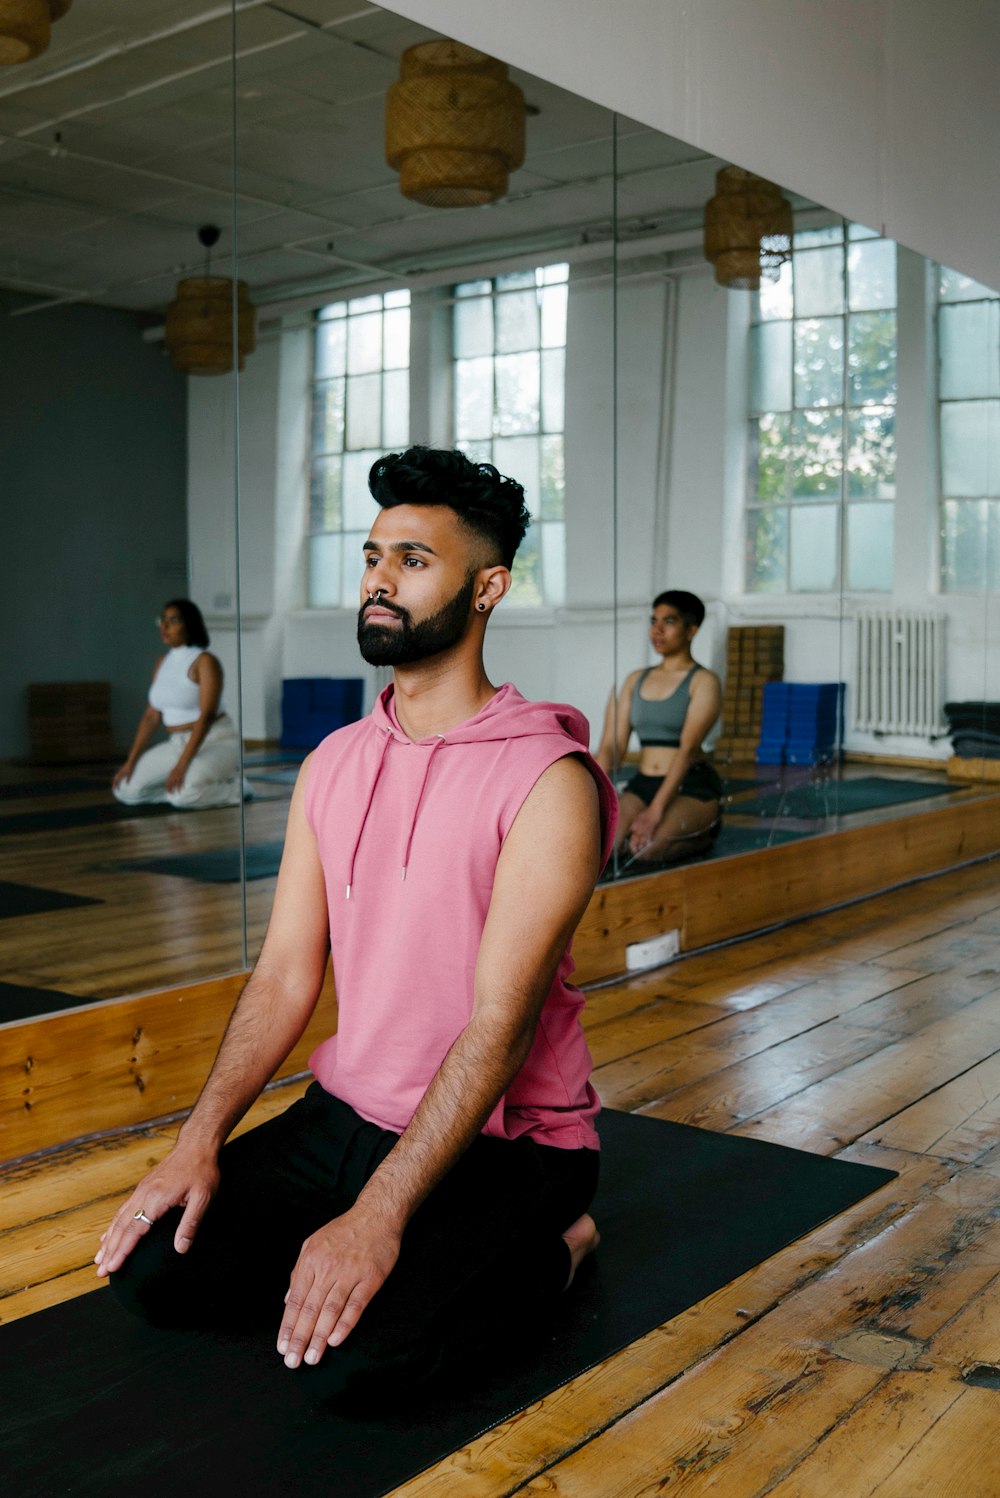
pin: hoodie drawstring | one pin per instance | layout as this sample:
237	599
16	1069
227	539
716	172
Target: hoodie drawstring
439	740
387	736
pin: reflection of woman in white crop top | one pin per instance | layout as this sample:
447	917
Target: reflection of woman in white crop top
670	809
199	765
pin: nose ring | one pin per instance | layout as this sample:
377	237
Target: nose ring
376	595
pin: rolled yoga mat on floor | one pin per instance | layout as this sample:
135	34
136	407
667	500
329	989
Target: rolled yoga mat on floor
96	1403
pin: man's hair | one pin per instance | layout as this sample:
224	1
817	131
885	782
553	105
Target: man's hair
489	505
194	624
688	605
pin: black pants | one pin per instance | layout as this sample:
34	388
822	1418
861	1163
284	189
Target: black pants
482	1260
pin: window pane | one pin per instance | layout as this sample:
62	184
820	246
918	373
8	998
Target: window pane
396	299
774	299
963	546
858	231
552	274
364	342
324	571
554	563
993	547
517	321
328	417
970	448
335	309
871	455
365	304
871	357
473	327
516	280
473	398
518	394
359	507
805	238
396	338
870	548
813	548
526	588
364	411
767	550
770	457
354	566
519	458
478	452
396	408
555	301
331	349
771	366
819	282
552	476
819	362
871	274
324	495
954	287
553	389
969	337
817	459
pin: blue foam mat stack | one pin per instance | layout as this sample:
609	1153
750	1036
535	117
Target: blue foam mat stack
313	706
803	723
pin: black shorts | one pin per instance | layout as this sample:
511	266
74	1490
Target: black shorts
701	783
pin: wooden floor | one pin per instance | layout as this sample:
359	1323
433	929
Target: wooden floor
835	1369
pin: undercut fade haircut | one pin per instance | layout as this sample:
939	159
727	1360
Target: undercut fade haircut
688	605
194	624
490	506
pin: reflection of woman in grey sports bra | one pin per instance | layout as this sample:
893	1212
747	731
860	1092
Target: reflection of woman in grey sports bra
669	808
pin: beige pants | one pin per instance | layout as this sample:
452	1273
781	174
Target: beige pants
212	779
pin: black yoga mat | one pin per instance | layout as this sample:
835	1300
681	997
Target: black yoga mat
98	1404
840	797
61	819
215	866
17	1001
28	899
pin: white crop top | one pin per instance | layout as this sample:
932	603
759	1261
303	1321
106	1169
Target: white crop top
172	692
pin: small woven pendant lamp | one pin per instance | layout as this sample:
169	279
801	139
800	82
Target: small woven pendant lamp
198	329
26	27
454	126
748	229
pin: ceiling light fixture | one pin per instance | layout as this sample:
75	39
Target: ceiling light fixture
198	330
26	27
454	126
748	229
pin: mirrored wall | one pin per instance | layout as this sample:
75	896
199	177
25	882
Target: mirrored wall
797	457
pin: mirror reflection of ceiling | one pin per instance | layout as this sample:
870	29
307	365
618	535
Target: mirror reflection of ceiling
115	145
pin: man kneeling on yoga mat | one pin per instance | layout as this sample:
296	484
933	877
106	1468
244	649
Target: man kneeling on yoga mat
429	1192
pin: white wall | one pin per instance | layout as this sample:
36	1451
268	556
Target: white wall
883	110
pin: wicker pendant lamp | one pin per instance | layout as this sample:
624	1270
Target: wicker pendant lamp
454	126
748	229
198	331
26	27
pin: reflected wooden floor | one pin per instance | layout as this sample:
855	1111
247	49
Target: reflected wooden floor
839	1367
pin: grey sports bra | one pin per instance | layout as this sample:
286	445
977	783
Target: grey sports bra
659	724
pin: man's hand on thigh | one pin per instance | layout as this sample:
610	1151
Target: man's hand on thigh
187	1179
340	1268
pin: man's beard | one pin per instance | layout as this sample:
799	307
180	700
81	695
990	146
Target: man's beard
399	645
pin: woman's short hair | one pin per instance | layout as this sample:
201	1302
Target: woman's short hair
489	505
688	605
194	624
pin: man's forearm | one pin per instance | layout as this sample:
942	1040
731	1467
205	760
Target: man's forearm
470	1082
262	1031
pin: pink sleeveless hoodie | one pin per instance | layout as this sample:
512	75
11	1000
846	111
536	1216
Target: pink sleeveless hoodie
409	834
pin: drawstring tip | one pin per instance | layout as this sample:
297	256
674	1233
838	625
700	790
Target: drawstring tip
348	895
402	872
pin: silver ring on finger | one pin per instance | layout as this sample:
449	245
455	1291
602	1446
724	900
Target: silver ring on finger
140	1216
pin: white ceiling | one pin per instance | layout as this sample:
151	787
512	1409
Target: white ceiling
116	145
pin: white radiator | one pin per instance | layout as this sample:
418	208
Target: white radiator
899	658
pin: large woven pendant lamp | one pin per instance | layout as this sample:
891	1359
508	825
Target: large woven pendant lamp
26	27
748	229
198	330
454	126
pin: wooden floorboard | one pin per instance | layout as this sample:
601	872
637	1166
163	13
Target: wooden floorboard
837	1366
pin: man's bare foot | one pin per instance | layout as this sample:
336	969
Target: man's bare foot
581	1238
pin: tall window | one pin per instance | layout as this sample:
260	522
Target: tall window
969	390
822	453
509	346
361	409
